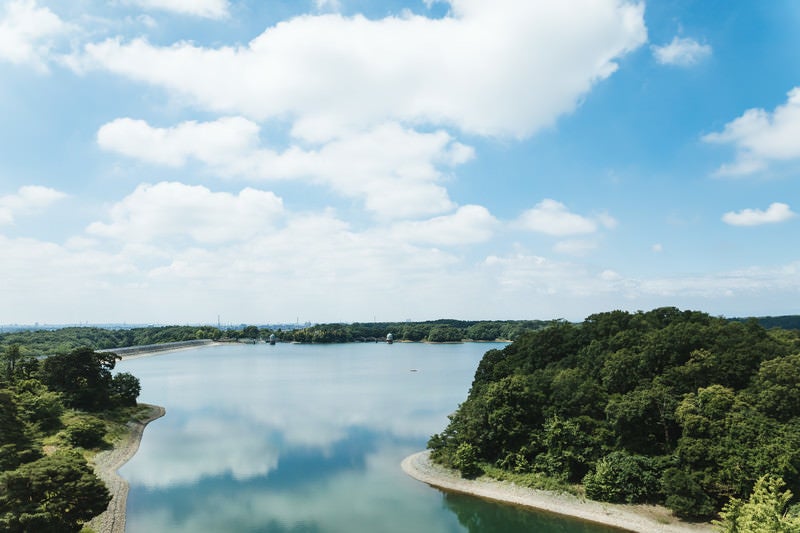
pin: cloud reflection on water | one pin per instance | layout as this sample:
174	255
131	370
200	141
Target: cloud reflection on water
236	410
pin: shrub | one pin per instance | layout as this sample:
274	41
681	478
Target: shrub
622	477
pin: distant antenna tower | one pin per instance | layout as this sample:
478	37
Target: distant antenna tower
218	323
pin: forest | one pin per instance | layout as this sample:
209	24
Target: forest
444	330
697	413
62	340
55	412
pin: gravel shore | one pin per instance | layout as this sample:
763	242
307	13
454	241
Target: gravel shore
638	518
107	463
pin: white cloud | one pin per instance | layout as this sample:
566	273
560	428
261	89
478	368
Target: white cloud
682	52
28	199
553	218
395	170
470	224
576	247
213	9
27	33
327	5
776	212
174	210
761	137
657	248
503	68
219	143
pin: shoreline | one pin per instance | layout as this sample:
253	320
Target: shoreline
155	351
634	518
106	464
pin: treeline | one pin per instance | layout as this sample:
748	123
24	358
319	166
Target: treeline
52	412
48	342
432	331
783	322
667	406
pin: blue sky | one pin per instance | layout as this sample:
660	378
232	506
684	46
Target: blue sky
171	161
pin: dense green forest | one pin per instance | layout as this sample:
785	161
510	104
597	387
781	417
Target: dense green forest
54	413
667	406
444	330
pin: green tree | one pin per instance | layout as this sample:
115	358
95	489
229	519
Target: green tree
125	388
83	376
764	512
15	444
55	494
251	332
11	357
622	477
466	460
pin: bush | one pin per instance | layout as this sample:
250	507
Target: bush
466	460
621	477
86	433
685	496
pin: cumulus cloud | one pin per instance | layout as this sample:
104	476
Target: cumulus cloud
682	52
504	68
219	143
776	212
761	137
470	224
173	210
553	218
213	9
27	33
395	170
28	199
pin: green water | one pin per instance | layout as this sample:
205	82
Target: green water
305	438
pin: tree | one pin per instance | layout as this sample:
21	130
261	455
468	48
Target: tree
466	460
54	494
11	356
125	388
250	332
15	445
621	477
83	376
764	512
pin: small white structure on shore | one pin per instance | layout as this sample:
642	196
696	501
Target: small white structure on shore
389	338
272	339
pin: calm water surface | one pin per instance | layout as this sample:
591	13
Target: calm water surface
305	438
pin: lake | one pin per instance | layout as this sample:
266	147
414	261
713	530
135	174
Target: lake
306	438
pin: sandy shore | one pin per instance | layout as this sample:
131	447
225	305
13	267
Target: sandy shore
639	518
107	463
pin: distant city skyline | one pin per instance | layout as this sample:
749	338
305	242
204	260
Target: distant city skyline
340	160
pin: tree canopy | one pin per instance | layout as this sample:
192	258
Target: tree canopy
67	402
666	406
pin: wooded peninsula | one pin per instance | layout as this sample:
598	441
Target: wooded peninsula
679	408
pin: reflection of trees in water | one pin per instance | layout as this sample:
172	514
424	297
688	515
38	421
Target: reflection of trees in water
480	516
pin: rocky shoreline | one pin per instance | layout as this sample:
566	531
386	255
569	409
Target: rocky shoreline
636	518
106	464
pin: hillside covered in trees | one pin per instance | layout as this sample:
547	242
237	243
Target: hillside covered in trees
55	412
667	406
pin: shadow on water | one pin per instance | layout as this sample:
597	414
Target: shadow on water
481	516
